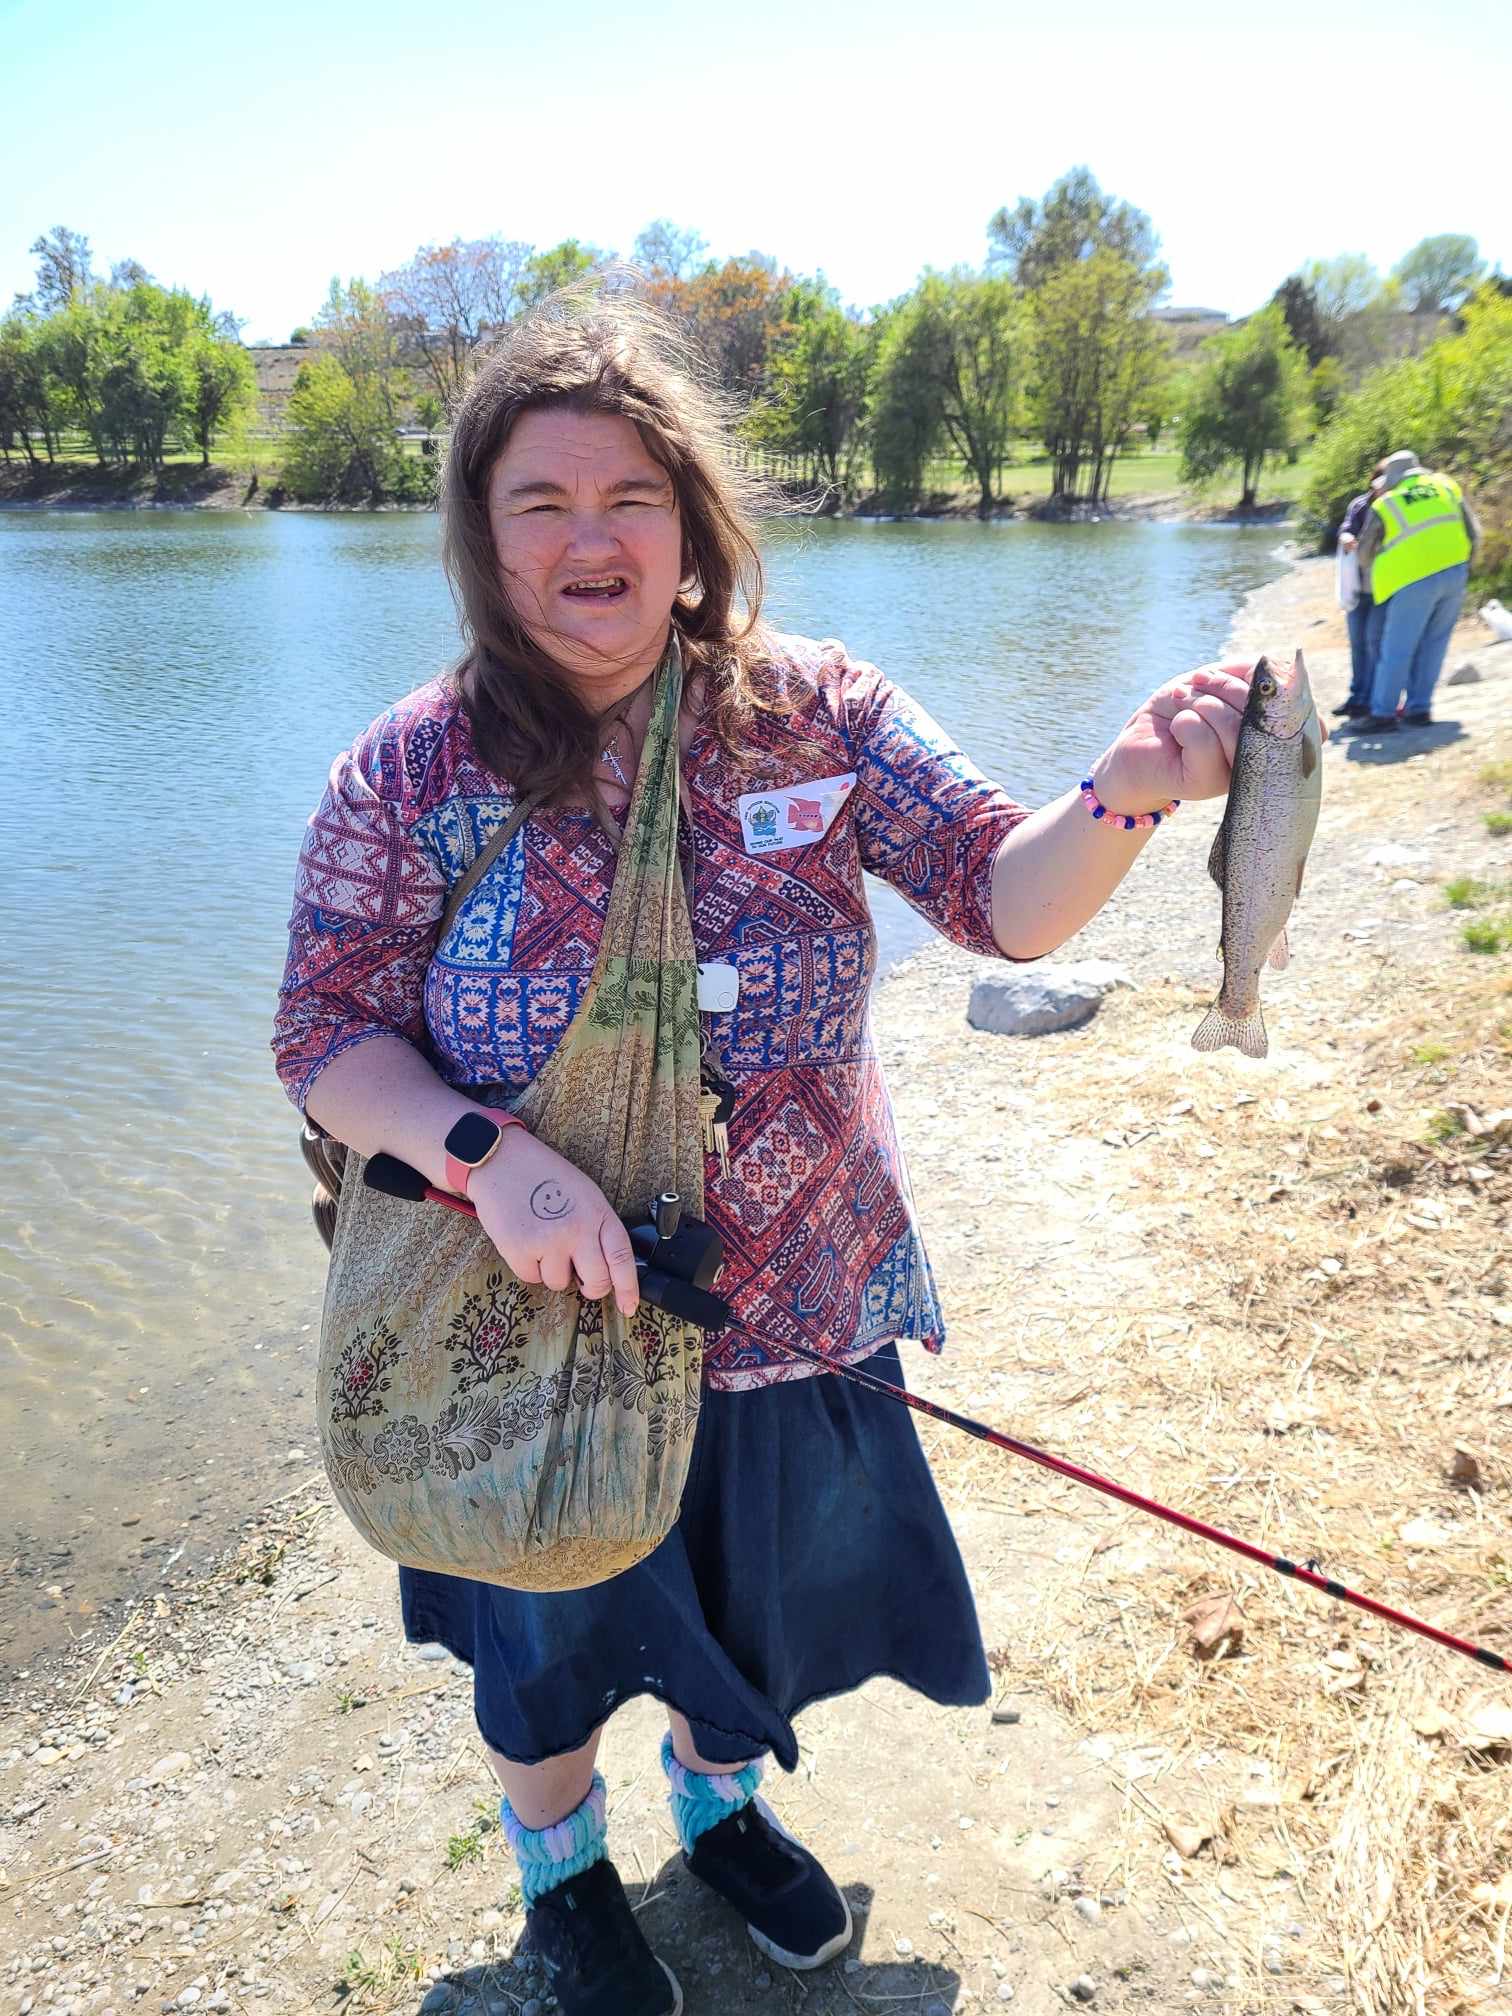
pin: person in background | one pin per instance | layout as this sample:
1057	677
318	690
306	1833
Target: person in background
1416	544
1354	600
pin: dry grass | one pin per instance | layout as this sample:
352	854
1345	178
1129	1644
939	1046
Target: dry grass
1336	1320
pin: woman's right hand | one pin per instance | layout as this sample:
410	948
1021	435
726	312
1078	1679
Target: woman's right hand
551	1222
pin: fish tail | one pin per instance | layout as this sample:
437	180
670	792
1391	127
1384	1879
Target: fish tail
1218	1030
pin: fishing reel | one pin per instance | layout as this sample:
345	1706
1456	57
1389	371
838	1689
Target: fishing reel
677	1259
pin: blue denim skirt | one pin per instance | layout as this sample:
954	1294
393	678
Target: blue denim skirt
812	1552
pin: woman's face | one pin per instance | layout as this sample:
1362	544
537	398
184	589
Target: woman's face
589	543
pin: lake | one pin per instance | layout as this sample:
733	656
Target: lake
176	685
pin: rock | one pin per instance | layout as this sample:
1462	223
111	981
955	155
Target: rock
46	1755
1006	1715
1032	1004
1467	674
902	1945
1005	1991
1089	1908
532	2007
440	2001
169	1767
1392	854
1084	1988
1204	1978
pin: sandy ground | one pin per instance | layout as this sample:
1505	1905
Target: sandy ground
258	1797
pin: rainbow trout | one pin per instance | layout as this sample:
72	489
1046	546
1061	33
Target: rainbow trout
1260	849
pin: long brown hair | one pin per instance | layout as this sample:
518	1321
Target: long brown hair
593	352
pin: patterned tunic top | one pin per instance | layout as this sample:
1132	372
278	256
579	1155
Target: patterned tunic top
820	1239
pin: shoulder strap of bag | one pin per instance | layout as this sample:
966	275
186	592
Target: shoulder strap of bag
473	874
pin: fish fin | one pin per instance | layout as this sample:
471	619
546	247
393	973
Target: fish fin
1218	857
1218	1030
1312	748
1280	952
1301	870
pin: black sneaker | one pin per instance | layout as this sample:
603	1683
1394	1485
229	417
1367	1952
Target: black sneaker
1352	710
1418	718
791	1908
1381	724
595	1953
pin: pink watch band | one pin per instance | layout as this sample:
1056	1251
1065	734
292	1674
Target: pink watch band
458	1173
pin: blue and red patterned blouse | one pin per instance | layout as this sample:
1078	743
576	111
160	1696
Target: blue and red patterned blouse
820	1239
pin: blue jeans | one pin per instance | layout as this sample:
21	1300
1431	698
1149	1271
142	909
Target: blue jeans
1408	637
1360	663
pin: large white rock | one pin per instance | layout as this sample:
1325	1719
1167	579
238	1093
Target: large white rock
1036	1000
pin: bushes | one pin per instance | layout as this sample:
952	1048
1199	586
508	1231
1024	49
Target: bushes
1453	407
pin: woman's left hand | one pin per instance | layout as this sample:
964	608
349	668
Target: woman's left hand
1179	744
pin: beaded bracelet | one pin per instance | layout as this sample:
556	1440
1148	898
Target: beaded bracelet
1128	820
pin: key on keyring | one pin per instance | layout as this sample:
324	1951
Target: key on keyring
716	1107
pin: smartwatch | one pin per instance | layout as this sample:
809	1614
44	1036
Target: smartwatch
473	1141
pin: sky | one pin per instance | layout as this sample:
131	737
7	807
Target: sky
252	153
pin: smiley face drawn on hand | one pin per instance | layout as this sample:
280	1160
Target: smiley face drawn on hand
550	1201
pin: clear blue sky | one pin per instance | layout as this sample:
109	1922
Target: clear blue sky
253	152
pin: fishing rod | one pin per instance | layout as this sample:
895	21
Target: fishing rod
677	1260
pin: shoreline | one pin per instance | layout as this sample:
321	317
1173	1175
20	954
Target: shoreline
222	1797
223	493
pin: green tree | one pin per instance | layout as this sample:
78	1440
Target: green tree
1246	402
63	268
25	407
1453	406
950	368
1071	221
1327	384
817	383
356	327
559	266
1100	365
1304	320
341	442
1438	273
221	390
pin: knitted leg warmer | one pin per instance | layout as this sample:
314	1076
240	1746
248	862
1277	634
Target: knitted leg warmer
701	1799
549	1855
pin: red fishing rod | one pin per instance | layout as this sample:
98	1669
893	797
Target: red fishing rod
677	1260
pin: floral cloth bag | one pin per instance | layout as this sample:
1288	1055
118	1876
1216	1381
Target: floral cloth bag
480	1427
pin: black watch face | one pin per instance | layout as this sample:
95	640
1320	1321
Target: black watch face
471	1138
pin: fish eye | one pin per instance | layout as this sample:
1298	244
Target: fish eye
1267	687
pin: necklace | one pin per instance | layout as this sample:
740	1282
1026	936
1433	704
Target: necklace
610	754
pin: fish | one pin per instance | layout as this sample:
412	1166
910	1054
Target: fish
1260	849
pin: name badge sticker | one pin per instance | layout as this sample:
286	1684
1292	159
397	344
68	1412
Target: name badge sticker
718	988
795	816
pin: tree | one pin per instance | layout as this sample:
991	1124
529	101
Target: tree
1100	365
666	251
737	313
24	403
952	357
222	389
817	383
1343	286
447	298
1246	402
1327	383
126	273
560	266
1071	221
1438	273
62	258
355	327
1304	321
341	441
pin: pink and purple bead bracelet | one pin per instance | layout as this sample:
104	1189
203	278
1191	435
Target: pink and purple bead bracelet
1128	820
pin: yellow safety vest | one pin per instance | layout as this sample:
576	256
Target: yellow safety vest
1424	530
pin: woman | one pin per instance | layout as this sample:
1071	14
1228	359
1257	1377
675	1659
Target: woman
593	527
